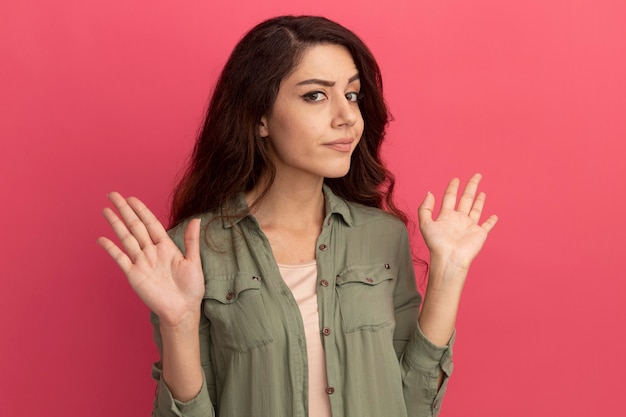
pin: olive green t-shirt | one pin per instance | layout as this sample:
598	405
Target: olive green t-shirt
252	342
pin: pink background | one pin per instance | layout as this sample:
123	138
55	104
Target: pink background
101	96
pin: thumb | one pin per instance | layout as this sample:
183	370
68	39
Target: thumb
192	241
425	210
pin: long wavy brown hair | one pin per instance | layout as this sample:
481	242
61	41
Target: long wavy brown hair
229	155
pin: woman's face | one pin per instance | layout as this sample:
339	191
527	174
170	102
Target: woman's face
315	122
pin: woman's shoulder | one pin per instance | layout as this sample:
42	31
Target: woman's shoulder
212	223
359	215
372	219
212	220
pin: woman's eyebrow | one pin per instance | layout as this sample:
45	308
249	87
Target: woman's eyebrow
326	83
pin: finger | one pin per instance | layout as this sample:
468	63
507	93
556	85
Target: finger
425	210
120	258
133	223
467	198
126	238
192	241
151	223
449	196
477	208
490	223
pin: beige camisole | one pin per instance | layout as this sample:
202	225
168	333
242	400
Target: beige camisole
302	281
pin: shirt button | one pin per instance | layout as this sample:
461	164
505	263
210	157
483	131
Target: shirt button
330	390
326	331
369	280
323	247
387	266
324	283
230	296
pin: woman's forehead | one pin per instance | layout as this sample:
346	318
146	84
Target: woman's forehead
327	62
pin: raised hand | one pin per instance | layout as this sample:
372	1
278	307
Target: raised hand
456	234
454	239
169	283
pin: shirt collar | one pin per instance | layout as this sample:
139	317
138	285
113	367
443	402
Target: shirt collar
238	208
338	205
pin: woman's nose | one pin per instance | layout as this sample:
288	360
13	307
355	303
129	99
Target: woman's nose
346	112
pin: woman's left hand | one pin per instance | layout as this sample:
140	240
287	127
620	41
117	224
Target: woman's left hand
456	236
454	239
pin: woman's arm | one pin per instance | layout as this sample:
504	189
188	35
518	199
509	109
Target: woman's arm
182	371
454	239
169	283
425	366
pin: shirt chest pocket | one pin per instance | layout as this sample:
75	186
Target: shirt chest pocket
234	306
366	297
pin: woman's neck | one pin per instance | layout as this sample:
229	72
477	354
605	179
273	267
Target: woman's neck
294	205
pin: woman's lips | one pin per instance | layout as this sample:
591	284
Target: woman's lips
341	145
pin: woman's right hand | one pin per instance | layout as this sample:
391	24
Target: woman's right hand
169	283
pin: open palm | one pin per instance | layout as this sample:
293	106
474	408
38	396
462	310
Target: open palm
456	233
169	283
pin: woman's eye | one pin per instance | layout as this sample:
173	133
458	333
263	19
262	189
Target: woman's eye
314	96
354	97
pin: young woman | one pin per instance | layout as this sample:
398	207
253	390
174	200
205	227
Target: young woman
285	286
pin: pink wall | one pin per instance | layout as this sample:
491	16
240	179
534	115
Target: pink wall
96	96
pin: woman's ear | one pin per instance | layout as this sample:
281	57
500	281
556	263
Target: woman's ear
263	130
